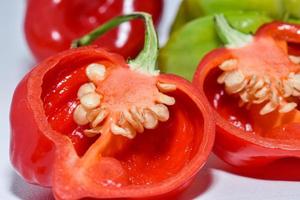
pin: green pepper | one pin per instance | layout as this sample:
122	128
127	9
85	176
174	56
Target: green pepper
278	9
188	45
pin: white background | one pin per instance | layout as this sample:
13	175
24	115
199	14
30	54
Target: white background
214	182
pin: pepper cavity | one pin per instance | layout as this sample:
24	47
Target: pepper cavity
126	102
262	88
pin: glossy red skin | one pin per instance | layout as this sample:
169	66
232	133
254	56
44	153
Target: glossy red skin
50	27
234	145
48	159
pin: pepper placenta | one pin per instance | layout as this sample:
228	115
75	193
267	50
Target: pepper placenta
278	9
188	45
99	127
50	26
253	86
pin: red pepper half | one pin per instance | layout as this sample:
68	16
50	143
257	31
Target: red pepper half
253	86
88	124
51	25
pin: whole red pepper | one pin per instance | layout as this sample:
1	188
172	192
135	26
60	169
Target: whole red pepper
253	86
51	25
88	124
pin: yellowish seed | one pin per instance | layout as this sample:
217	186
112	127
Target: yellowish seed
161	111
269	107
165	99
222	77
166	87
100	117
150	119
287	107
92	132
133	122
117	130
136	114
262	92
294	59
228	65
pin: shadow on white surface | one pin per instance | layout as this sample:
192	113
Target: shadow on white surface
26	191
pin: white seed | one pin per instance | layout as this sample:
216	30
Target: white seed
296	93
100	117
294	59
150	119
95	72
234	80
165	99
262	92
274	96
237	88
161	111
79	115
269	107
296	81
90	100
166	87
117	130
241	103
228	65
244	96
260	100
252	81
133	122
259	84
92	132
287	89
136	114
85	89
91	116
222	77
267	80
287	107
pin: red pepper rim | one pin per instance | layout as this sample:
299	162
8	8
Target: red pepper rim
210	62
35	81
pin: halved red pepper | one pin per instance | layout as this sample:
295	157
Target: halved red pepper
51	25
252	85
88	124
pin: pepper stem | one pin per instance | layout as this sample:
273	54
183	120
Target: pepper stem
146	61
230	36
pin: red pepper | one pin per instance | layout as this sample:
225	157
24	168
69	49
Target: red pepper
88	124
51	25
253	86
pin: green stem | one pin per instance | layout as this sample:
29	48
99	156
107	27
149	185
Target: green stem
146	61
229	36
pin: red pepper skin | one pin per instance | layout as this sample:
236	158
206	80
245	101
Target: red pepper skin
234	145
45	156
50	26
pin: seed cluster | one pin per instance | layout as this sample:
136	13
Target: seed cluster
130	121
276	93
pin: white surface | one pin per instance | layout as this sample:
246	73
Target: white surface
212	183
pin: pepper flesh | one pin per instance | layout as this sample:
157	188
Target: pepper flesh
156	162
245	138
